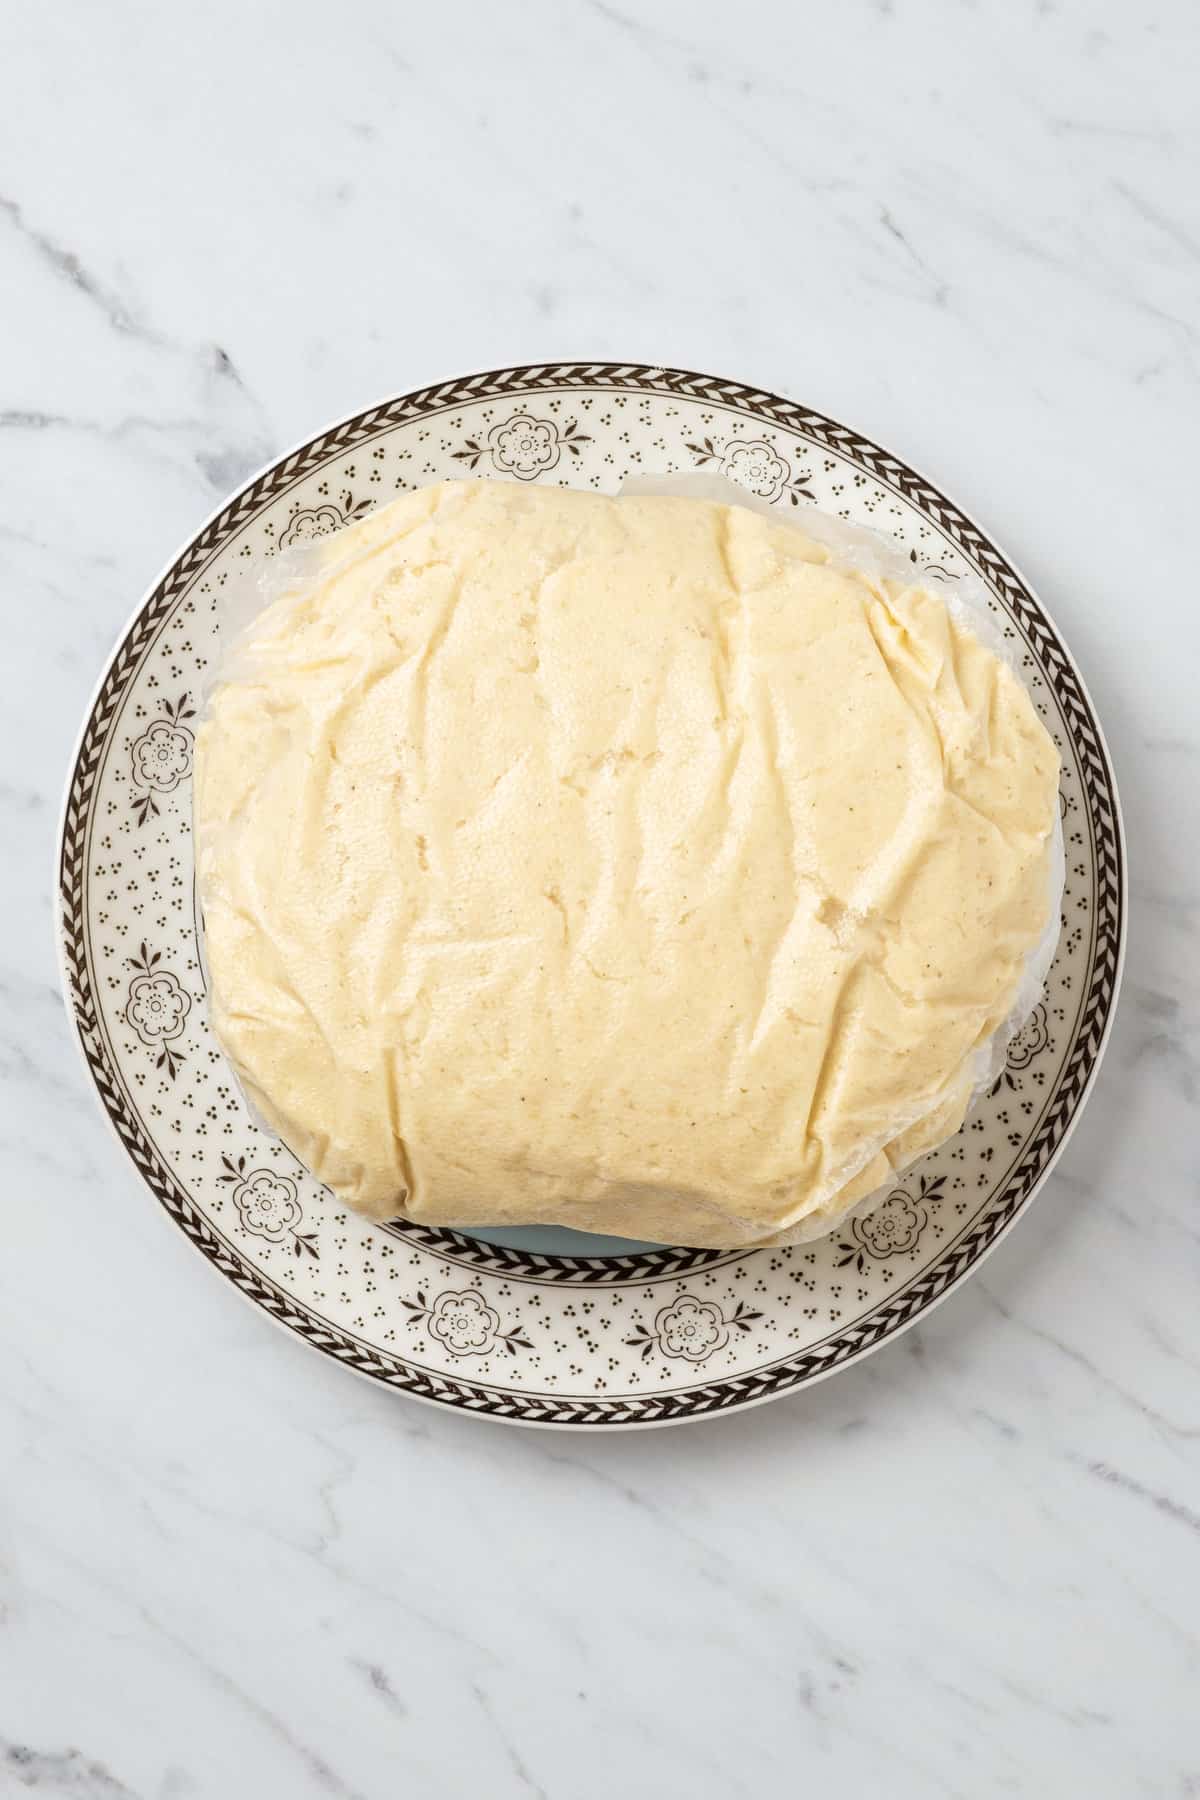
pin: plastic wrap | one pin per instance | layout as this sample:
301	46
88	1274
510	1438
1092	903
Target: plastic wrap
874	553
283	580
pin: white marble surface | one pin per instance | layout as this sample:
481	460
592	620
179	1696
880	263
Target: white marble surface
968	1567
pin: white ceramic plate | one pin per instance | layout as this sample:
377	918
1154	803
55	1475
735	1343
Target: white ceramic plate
544	1328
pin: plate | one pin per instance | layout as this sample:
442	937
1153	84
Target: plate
542	1327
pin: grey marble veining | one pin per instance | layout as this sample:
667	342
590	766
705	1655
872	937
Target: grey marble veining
969	1566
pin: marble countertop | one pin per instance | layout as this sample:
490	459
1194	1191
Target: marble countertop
969	1566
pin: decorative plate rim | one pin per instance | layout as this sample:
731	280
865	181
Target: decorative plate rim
724	1394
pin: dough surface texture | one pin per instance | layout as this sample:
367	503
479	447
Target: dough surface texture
621	864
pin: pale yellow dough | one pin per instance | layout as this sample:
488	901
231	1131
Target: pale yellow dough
616	863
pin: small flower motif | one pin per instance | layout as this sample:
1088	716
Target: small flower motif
157	1007
894	1227
691	1328
1031	1040
755	465
465	1324
309	523
524	446
268	1206
162	757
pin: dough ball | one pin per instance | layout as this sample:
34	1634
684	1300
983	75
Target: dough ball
624	864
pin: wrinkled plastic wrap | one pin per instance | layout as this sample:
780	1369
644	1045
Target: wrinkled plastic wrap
286	576
875	554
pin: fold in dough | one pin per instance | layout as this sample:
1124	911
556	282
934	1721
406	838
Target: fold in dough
622	864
